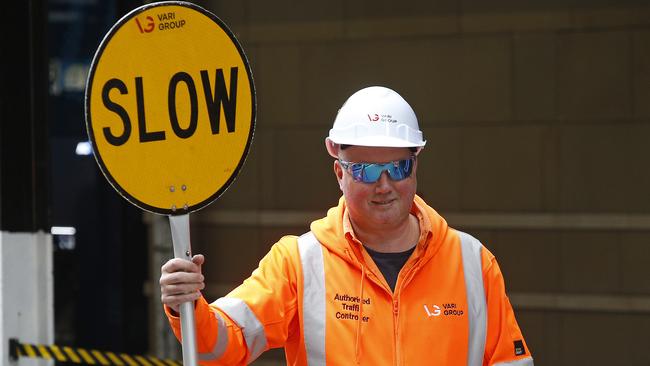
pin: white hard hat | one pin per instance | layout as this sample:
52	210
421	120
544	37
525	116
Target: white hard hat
376	116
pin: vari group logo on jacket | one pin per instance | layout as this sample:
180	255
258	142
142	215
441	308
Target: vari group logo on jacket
449	309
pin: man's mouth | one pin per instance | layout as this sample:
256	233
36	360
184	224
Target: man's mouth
383	202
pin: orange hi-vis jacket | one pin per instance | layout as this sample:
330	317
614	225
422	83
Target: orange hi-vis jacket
323	299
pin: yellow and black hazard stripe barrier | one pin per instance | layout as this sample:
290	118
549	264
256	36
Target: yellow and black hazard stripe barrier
83	356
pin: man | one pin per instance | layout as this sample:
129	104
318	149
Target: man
382	280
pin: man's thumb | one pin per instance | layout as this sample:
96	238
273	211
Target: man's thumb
198	259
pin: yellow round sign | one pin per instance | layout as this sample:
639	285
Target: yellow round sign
170	107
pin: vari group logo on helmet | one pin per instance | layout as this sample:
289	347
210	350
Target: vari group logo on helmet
165	21
375	117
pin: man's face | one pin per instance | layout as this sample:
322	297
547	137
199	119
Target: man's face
381	204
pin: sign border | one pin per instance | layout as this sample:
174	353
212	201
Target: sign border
90	132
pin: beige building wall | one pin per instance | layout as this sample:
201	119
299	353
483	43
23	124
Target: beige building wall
537	116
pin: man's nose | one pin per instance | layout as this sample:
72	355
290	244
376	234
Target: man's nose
383	184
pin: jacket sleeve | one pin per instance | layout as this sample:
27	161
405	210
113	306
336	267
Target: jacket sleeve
254	317
504	344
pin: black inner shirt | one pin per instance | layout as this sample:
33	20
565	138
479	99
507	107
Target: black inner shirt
390	263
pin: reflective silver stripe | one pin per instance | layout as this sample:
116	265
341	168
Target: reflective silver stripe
251	327
477	309
313	298
523	362
220	344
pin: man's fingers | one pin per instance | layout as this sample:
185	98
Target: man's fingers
182	289
174	301
180	265
180	277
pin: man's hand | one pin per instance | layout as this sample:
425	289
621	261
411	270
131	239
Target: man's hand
181	281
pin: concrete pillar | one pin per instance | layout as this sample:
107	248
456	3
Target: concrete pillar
26	293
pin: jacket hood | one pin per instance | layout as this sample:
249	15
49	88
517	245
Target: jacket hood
330	231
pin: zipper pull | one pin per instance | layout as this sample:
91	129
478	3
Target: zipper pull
395	307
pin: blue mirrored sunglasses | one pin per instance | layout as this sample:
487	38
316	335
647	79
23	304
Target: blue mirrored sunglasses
370	172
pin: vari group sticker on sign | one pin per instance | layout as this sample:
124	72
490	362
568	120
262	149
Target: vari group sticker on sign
170	107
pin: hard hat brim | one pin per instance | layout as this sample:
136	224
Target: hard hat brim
377	141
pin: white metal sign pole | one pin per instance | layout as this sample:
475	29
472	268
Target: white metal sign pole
180	226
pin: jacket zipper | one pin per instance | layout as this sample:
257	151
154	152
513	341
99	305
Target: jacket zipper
396	296
373	278
395	327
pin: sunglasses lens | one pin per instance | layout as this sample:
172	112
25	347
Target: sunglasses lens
370	173
401	170
357	171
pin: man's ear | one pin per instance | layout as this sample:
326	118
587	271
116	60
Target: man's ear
338	172
332	148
